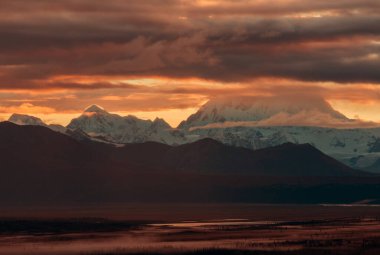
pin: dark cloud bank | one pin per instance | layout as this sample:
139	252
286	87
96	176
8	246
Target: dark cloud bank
230	41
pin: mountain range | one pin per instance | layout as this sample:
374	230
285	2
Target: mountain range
252	123
43	148
44	167
96	122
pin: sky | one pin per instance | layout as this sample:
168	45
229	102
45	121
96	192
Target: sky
165	58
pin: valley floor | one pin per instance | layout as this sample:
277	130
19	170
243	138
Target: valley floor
260	229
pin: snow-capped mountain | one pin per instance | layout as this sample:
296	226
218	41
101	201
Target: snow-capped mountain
256	123
355	147
268	110
22	119
245	123
98	123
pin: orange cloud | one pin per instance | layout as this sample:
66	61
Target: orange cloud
153	65
27	108
163	97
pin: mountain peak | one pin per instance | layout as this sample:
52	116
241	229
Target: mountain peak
160	123
22	119
97	122
269	110
95	109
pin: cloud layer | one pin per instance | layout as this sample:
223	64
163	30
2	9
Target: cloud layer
219	40
174	54
305	118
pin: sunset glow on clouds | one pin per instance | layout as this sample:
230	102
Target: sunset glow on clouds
166	58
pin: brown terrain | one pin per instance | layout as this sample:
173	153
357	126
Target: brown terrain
270	229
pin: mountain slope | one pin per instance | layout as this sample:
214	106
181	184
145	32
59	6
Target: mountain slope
208	155
346	145
40	166
42	147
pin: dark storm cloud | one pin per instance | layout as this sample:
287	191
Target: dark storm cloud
220	40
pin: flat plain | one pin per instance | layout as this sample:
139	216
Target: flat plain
205	229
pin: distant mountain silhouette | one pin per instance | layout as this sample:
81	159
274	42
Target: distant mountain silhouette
39	165
208	155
